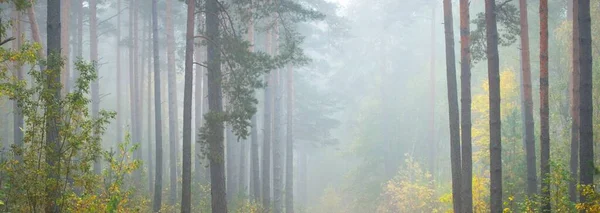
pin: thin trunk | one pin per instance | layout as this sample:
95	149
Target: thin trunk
120	111
79	37
289	147
53	38
150	110
230	144
17	111
254	159
172	87
303	177
433	144
186	186
544	111
277	147
527	102
64	30
453	107
266	148
215	102
465	89
586	134
243	161
35	32
574	160
137	80
199	101
95	90
157	112
494	100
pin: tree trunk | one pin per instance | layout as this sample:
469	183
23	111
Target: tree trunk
289	148
574	160
465	89
527	102
433	144
215	102
157	112
266	148
453	107
17	111
64	30
150	112
79	39
35	32
494	110
95	90
120	111
53	38
230	177
186	186
199	101
243	161
544	111
254	159
586	134
277	147
172	87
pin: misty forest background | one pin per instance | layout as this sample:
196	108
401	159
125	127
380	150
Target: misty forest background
299	106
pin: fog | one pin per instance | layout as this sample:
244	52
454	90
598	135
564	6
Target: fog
321	106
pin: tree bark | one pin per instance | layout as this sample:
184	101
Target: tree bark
186	186
18	121
120	111
95	90
544	111
289	147
266	148
215	102
586	134
574	160
465	89
494	108
200	102
528	102
172	87
455	158
64	30
157	114
53	38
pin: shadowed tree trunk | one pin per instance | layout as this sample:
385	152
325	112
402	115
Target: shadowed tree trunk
53	39
574	160
465	89
586	134
494	110
157	112
544	111
215	104
453	107
172	87
186	186
527	102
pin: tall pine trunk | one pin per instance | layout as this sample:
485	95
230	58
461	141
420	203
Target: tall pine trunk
527	101
64	39
574	159
433	144
215	105
120	111
289	147
172	87
494	108
277	146
95	90
150	109
452	107
18	121
157	112
186	186
465	91
53	38
254	158
267	125
544	110
199	102
586	133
